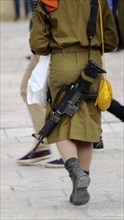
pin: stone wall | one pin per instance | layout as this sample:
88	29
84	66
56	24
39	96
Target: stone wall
6	10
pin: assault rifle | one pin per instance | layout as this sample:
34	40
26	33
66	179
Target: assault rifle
75	93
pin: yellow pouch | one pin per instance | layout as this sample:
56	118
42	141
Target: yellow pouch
104	97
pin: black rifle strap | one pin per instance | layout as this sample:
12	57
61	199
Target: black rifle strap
64	88
91	27
49	98
47	20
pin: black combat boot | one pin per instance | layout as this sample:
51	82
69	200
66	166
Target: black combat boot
80	182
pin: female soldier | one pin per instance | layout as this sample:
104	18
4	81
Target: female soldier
60	28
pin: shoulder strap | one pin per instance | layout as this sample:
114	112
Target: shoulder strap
91	27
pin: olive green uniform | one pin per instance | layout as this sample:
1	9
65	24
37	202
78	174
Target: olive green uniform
121	18
66	27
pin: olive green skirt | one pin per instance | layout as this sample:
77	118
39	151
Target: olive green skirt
85	124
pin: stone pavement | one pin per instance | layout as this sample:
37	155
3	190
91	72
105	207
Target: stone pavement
35	192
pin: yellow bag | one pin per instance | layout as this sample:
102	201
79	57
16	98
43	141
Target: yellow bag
104	97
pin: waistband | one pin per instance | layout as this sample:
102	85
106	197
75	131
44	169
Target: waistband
72	49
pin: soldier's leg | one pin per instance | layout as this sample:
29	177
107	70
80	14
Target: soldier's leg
116	18
84	150
121	18
79	175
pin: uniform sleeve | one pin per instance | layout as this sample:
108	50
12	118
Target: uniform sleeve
39	37
109	30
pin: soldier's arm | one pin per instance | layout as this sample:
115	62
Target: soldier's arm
39	37
109	28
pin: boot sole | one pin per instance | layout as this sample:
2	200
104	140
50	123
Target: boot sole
83	182
80	196
80	199
28	162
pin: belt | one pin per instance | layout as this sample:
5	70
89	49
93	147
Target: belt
72	49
